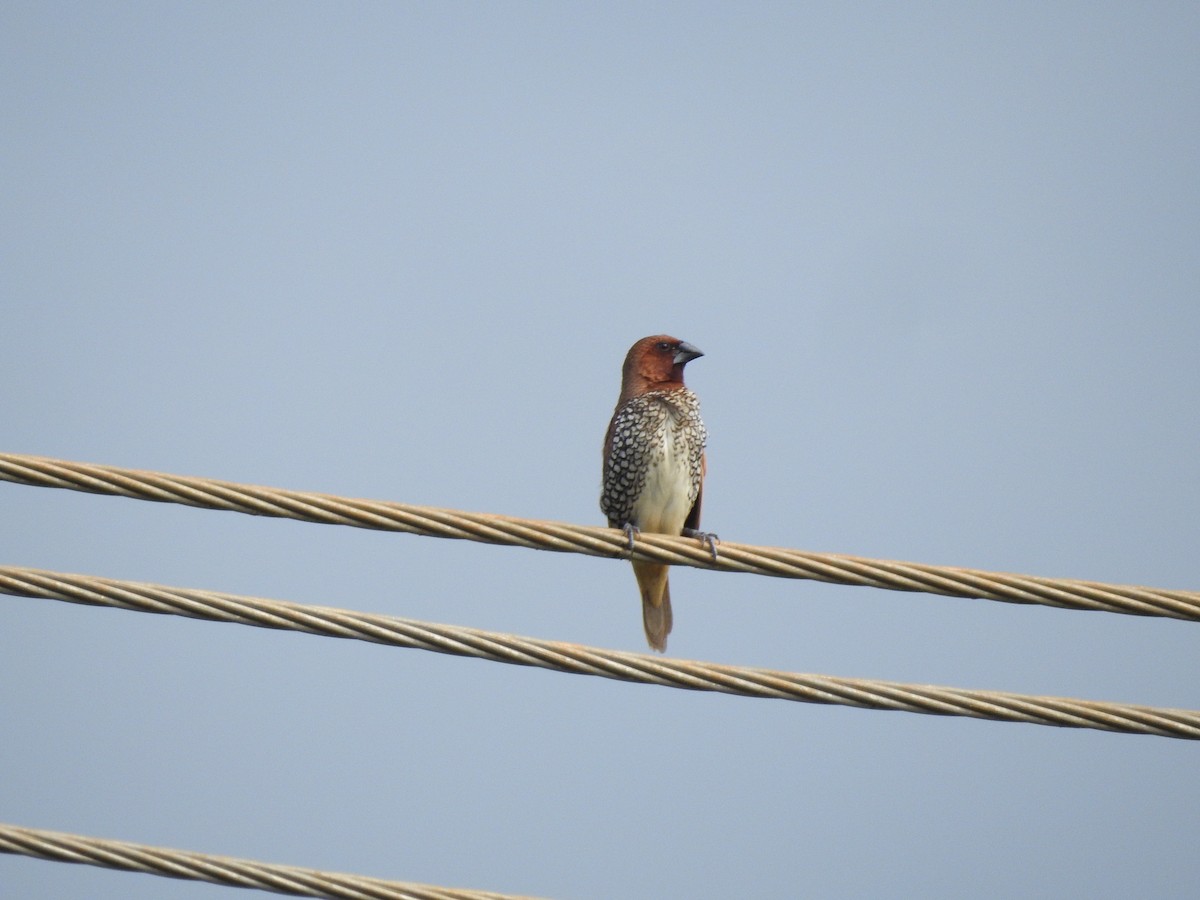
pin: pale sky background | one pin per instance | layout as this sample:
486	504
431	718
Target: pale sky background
943	260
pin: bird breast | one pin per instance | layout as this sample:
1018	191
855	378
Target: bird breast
655	471
670	489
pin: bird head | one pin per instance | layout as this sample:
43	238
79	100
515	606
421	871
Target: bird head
655	362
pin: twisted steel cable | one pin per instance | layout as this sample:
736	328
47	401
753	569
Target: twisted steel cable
596	541
58	846
582	660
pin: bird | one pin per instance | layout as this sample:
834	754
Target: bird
654	465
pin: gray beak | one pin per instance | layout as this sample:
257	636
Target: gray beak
686	353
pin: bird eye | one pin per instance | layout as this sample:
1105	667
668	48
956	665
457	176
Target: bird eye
664	346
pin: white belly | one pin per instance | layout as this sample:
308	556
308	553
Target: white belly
666	499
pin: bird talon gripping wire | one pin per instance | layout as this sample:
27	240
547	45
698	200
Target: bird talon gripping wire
631	531
707	539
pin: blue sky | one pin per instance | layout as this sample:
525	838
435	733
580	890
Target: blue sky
942	260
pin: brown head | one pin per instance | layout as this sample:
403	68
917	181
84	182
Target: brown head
655	363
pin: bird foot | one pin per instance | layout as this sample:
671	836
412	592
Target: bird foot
706	538
631	531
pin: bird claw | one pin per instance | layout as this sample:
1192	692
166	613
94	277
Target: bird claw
631	531
706	538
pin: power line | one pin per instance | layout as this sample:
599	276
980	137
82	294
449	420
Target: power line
596	541
582	660
225	870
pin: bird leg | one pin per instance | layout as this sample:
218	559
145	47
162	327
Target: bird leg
631	531
705	538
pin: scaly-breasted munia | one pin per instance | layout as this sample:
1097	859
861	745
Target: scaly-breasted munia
654	464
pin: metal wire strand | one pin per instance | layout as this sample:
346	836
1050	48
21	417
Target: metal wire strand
595	541
582	660
58	846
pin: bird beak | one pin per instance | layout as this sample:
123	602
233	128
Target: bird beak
686	353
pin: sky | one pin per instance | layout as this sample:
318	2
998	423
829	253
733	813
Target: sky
943	262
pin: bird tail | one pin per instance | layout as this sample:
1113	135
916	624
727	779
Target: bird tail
656	602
